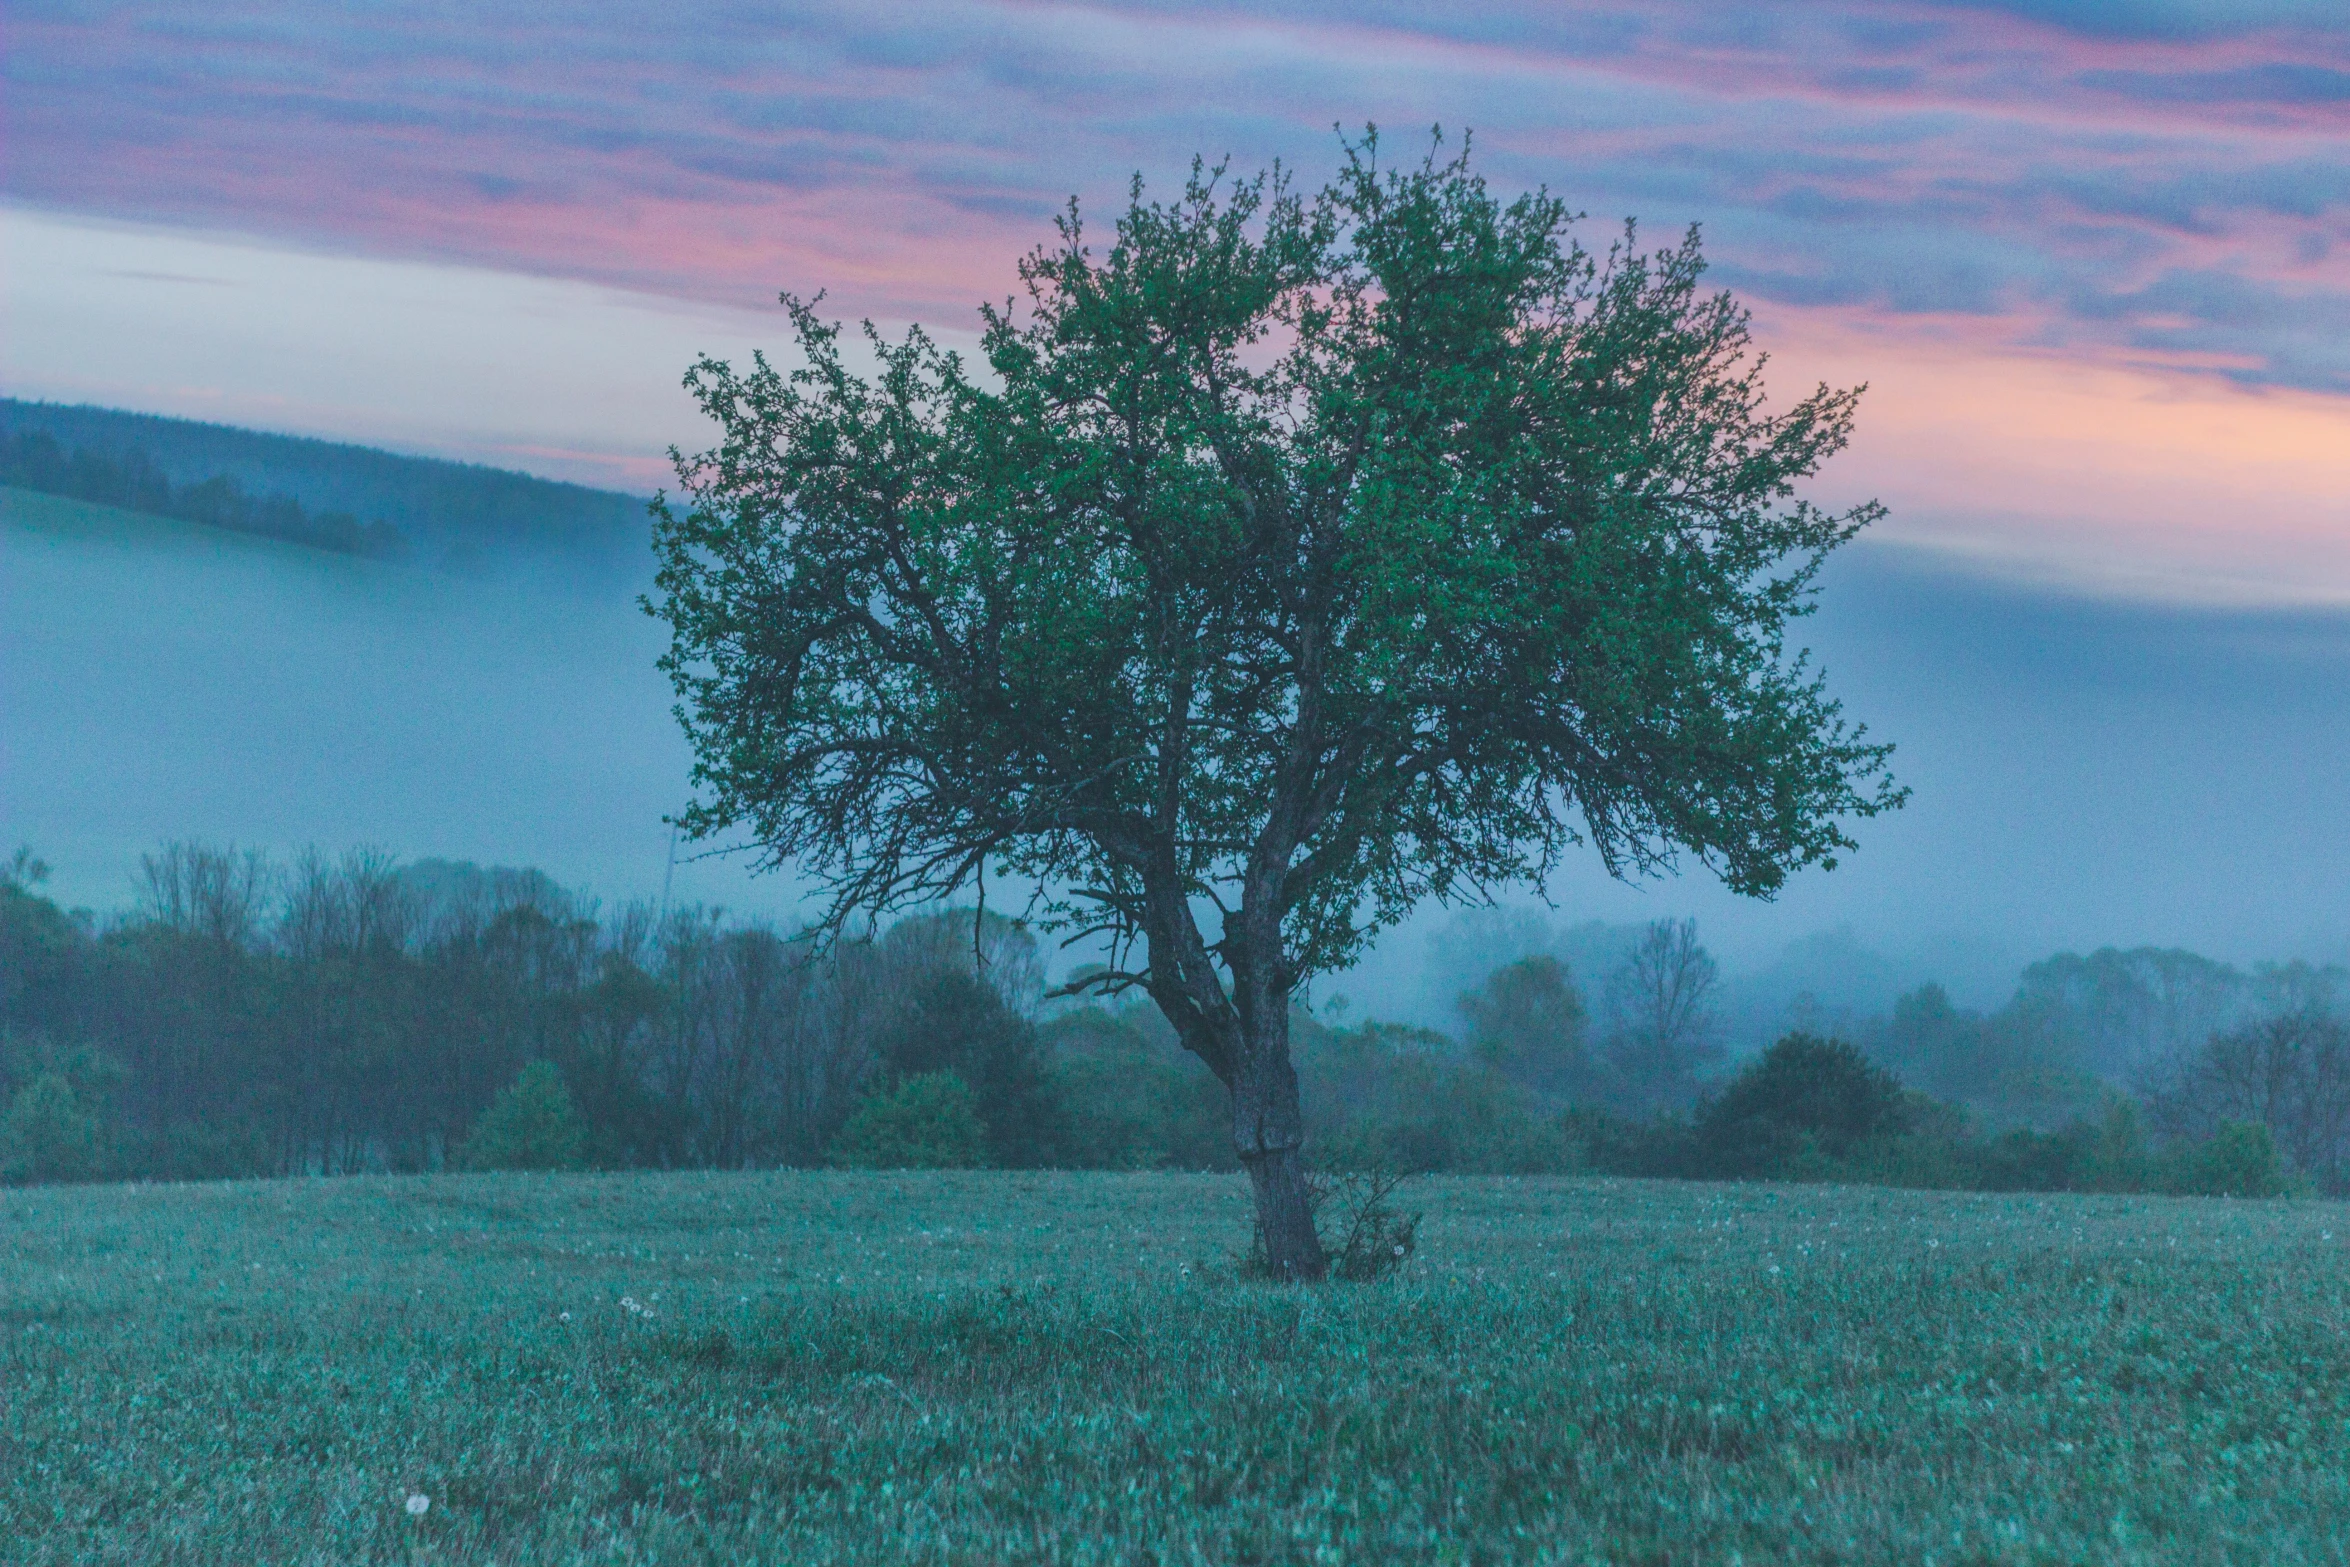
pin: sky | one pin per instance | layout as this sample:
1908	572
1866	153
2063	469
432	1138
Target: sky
2091	257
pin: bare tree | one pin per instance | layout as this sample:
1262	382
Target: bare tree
1661	1001
204	891
2290	1074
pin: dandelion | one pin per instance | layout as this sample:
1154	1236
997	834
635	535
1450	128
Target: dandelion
418	1504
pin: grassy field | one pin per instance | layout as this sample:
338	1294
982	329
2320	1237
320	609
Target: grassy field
809	1368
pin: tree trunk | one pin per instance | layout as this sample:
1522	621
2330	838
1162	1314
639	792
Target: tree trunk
1269	1134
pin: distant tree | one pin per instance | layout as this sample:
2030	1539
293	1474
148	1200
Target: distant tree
215	893
2239	1159
23	870
1527	1021
1661	1002
2127	1016
1300	558
531	1125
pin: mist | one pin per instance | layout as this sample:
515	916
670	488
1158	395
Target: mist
2085	773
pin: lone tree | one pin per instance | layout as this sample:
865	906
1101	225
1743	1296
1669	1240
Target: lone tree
1302	556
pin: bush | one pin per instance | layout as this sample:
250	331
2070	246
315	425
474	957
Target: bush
927	1122
1799	1110
47	1135
2105	1155
2239	1160
1363	1233
1527	1022
955	1022
531	1125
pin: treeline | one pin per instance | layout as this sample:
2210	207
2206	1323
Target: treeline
33	460
354	1014
351	1014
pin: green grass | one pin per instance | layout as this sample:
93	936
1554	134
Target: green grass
1006	1368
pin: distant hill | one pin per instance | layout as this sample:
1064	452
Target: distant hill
459	514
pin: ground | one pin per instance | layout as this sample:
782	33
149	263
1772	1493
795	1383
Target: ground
988	1368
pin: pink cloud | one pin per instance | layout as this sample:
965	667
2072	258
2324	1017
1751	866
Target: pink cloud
2155	202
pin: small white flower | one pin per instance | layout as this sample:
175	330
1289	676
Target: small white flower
563	1316
418	1504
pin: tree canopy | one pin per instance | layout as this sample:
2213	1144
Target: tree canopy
1295	557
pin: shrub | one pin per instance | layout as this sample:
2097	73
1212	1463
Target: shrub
531	1125
2238	1160
1370	1238
1354	1212
47	1135
955	1022
2104	1155
1805	1105
926	1122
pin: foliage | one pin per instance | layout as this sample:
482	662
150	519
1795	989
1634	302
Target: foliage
1572	464
1354	1209
350	1015
531	1125
356	1014
1129	1097
953	1021
930	1121
1403	1099
1370	1237
2126	1014
1662	1027
1007	1367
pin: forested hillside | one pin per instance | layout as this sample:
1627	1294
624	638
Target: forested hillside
450	513
129	481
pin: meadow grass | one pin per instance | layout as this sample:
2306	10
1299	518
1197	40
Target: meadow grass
994	1368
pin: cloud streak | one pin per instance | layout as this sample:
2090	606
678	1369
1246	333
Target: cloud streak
2178	183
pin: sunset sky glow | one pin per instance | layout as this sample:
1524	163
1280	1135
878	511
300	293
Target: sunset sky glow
2092	258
